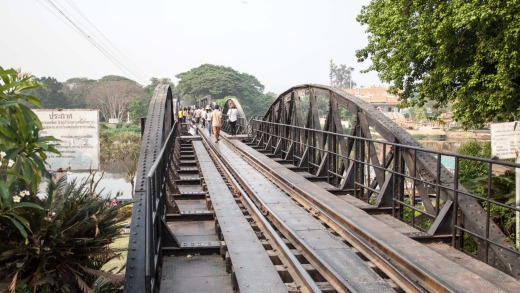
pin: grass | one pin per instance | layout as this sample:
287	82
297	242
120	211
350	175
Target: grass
419	136
121	242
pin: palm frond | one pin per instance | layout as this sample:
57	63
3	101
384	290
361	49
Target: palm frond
12	285
82	285
113	278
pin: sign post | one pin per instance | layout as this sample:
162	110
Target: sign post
78	132
505	144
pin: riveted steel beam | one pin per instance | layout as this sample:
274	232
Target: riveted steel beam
380	183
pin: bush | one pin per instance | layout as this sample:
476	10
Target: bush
470	169
69	245
125	212
60	243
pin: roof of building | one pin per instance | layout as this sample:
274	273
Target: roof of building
374	95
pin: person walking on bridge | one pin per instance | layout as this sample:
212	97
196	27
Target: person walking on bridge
208	118
233	117
180	113
216	122
184	115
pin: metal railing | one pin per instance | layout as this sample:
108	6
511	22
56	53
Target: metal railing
156	186
440	216
145	237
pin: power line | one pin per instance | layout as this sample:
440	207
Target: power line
83	30
91	38
121	54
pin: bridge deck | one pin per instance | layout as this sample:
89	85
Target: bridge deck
197	273
253	268
249	265
229	218
482	278
334	253
193	271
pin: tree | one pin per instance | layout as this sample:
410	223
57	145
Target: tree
138	106
51	94
463	53
262	103
122	148
471	169
76	90
114	78
112	97
154	82
341	75
23	150
219	82
418	113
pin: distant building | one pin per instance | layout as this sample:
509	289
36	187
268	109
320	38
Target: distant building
380	98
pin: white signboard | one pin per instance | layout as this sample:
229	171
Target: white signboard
79	134
505	139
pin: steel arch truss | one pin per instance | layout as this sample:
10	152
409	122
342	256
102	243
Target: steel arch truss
339	138
147	230
242	120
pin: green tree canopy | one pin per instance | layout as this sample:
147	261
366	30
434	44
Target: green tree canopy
340	75
220	82
154	82
76	89
138	106
463	53
112	97
114	78
51	94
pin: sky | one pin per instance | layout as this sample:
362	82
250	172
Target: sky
283	43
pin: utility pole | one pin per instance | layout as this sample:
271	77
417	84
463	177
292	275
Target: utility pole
350	69
331	67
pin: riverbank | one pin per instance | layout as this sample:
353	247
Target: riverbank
447	140
429	133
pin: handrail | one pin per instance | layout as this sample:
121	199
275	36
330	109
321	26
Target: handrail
378	172
155	211
158	129
404	201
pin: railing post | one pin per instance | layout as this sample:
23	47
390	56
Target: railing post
143	125
148	235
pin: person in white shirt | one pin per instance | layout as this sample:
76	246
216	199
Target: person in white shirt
192	129
208	118
233	117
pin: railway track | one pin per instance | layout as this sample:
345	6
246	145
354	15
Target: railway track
278	232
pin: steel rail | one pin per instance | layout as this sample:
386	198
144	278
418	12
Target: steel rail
240	186
409	275
324	268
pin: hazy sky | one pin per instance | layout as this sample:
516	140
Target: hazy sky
282	42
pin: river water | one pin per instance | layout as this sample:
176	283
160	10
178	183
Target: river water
109	185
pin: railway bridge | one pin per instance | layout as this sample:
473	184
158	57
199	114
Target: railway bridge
323	193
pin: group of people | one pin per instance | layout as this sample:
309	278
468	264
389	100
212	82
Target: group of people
210	116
